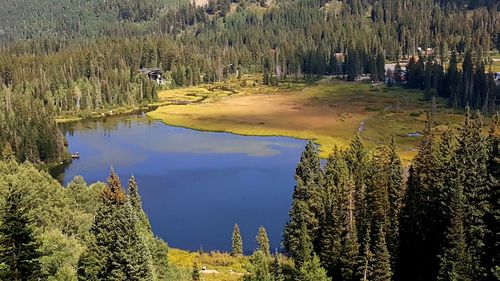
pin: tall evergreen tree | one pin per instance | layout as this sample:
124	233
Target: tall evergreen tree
421	227
305	247
455	261
357	161
395	193
236	241
365	258
19	254
306	204
136	202
471	174
381	270
263	241
492	218
335	213
452	81
115	249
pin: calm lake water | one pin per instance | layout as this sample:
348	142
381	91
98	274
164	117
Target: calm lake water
194	185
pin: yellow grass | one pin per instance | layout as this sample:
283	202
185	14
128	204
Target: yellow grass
329	112
219	266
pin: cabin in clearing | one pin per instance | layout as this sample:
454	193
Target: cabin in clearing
154	74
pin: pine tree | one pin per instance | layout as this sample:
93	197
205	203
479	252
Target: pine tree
306	204
471	174
19	255
276	271
357	161
334	213
350	247
454	261
395	194
398	73
263	241
305	248
116	250
312	271
236	242
421	227
366	258
452	81
381	270
136	202
492	218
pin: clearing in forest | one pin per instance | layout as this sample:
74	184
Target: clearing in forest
330	112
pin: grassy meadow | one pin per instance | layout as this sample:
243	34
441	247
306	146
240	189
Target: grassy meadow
330	112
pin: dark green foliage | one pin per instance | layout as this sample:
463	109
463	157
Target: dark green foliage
276	271
422	227
236	241
63	220
115	250
263	241
470	173
381	270
19	253
492	218
357	161
304	252
396	191
455	261
306	204
28	130
339	245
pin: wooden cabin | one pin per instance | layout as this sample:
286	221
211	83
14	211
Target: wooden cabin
154	74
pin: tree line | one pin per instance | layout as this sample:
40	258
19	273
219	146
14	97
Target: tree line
467	86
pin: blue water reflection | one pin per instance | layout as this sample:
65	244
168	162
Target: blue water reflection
194	185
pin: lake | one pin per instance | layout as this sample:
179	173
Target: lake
194	185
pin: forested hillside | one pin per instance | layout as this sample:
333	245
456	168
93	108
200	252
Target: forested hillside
22	19
76	74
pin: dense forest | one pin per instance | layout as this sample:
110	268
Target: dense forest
368	218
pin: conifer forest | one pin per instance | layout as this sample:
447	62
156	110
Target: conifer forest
416	200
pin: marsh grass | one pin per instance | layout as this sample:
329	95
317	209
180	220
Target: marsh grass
329	112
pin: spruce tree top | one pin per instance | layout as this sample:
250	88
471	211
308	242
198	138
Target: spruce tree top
113	193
